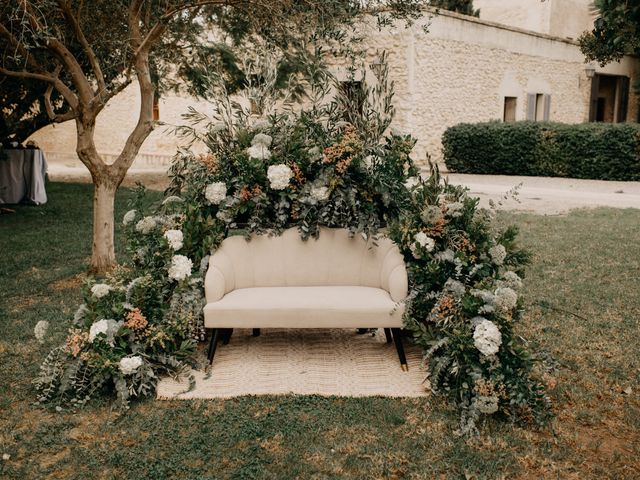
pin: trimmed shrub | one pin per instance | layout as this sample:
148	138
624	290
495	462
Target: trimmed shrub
589	150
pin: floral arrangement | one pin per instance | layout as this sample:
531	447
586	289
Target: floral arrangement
306	168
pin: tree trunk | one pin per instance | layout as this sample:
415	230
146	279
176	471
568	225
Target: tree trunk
103	256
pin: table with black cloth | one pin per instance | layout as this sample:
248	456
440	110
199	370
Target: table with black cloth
22	176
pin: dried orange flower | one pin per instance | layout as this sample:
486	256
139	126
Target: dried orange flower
209	160
136	320
75	341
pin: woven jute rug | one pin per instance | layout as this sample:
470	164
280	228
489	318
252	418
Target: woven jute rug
305	361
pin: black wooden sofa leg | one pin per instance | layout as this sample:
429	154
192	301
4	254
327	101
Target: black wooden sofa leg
226	335
256	332
398	341
387	334
215	336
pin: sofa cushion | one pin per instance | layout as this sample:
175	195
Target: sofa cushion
305	307
333	259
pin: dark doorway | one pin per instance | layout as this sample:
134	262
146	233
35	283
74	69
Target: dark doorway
609	98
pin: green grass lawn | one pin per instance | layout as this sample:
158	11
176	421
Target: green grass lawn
583	296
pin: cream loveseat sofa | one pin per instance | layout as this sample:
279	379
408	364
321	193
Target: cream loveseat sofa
284	282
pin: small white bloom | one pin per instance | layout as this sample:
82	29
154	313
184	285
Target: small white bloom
279	176
486	405
454	209
146	225
455	287
487	337
129	365
512	280
498	253
411	182
100	290
259	152
425	241
314	153
129	217
320	193
445	256
505	299
262	139
40	330
5	456
107	327
174	238
368	161
216	192
180	267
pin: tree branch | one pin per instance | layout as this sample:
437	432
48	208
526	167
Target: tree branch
66	92
74	22
56	118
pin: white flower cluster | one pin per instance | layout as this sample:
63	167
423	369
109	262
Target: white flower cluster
487	337
454	209
259	148
180	267
174	238
511	279
129	217
455	287
411	182
216	192
505	299
320	194
40	330
129	365
498	253
422	240
146	225
100	290
279	176
108	327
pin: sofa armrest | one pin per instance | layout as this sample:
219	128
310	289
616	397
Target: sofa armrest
215	284
398	283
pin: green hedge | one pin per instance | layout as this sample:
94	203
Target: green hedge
589	150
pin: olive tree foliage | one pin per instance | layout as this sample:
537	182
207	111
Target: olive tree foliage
460	6
616	31
65	59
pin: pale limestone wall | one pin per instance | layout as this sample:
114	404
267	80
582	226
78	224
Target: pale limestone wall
459	72
560	18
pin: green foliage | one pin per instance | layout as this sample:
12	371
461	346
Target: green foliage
460	6
590	150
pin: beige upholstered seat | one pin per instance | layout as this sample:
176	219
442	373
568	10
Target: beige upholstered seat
285	282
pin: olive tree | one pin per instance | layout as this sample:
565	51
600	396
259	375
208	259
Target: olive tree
73	56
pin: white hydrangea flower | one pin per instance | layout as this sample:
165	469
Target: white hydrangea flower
320	193
425	241
107	327
180	267
487	405
512	280
129	365
174	238
446	256
411	182
487	338
129	217
262	139
216	192
100	290
454	209
279	176
259	152
146	225
455	287
498	253
505	299
40	330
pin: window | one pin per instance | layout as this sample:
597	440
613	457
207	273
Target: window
510	105
156	109
538	107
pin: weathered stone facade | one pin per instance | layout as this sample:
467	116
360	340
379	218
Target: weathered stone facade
460	71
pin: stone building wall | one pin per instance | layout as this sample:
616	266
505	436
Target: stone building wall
460	71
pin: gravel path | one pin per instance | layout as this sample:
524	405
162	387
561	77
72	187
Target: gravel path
542	195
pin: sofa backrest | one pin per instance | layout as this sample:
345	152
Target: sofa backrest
332	259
